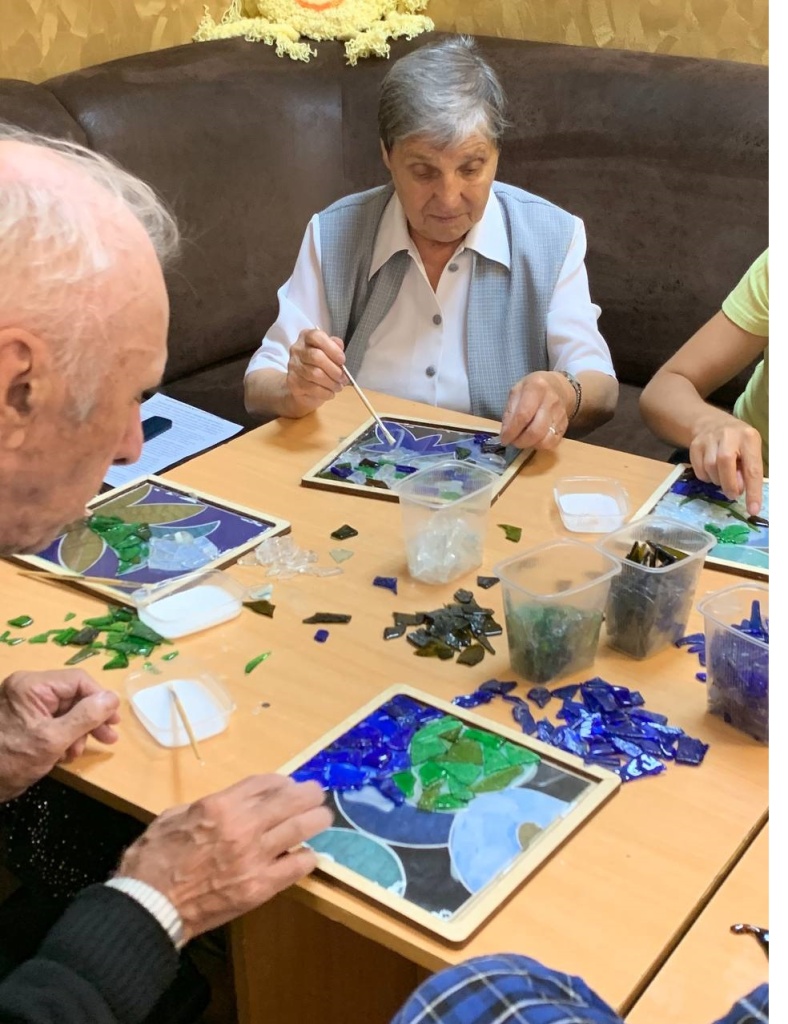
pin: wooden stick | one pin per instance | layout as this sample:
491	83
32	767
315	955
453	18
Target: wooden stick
386	432
185	720
47	574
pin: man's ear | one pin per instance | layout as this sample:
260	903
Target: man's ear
385	155
25	383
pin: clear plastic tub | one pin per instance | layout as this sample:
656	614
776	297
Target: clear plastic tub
204	600
591	504
647	609
553	597
206	702
737	665
445	510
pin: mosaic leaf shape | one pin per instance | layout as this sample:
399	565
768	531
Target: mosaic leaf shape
80	549
115	506
157	512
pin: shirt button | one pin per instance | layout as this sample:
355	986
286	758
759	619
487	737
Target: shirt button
437	319
430	371
452	267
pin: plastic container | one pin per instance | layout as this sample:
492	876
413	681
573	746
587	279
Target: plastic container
737	665
206	702
553	597
647	609
203	600
591	504
445	510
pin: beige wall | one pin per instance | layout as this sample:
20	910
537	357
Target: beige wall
41	38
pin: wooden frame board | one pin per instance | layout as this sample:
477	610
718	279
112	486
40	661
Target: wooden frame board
472	857
438	438
79	554
745	559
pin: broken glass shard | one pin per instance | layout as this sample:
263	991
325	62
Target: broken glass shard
344	532
326	618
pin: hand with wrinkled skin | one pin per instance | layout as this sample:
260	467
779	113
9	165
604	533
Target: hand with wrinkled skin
224	855
314	370
726	451
46	718
536	402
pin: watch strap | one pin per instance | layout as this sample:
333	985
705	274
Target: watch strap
578	389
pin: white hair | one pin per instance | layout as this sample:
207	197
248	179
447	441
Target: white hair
51	244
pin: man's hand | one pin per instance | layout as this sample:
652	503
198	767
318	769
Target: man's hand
46	717
314	370
727	451
227	853
536	411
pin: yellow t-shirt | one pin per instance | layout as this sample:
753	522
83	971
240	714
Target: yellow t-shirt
748	307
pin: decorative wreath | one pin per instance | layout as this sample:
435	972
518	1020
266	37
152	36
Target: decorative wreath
364	25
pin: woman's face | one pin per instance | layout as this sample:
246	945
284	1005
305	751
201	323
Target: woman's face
443	191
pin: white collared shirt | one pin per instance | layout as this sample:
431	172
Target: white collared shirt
420	348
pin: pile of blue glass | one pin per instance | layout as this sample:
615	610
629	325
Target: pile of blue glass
607	726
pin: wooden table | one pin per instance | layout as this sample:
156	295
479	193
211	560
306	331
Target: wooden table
608	906
711	967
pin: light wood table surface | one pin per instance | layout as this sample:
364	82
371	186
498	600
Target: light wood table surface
608	906
711	967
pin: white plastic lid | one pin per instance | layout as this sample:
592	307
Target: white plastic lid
203	602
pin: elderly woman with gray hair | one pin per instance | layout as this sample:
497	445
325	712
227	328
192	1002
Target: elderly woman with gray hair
444	286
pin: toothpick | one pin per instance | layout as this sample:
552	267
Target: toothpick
185	721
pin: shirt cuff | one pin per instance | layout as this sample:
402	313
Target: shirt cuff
156	903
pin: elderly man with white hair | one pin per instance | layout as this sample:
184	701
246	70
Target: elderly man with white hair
83	327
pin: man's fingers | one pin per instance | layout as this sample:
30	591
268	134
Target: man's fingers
296	830
291	868
87	715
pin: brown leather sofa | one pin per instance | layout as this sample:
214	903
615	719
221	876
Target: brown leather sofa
664	158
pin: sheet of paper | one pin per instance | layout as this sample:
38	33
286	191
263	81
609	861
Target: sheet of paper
192	431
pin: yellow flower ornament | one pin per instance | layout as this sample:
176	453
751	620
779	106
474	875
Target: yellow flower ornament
364	25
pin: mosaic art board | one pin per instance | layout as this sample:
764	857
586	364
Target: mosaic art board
449	868
748	556
168	507
419	443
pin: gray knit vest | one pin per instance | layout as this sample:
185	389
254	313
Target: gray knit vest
507	309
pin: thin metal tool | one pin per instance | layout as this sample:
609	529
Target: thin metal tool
761	935
187	725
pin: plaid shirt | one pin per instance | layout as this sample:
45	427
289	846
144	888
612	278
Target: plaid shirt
513	989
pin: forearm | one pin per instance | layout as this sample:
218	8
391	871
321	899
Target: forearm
673	409
598	403
266	395
106	961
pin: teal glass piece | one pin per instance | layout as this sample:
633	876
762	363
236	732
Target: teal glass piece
513	533
118	661
174	654
431	772
463	772
487	739
21	621
424	749
142	632
41	638
69	616
250	665
448	802
498	780
82	655
465	750
495	761
100	621
405	781
519	755
460	791
443	726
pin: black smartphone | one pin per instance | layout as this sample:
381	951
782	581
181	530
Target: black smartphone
153	426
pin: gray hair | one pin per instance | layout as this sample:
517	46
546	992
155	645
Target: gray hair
53	244
445	91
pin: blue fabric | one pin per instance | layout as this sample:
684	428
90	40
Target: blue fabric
513	989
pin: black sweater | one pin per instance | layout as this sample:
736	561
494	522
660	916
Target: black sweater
106	961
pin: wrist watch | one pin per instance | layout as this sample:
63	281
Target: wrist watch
578	389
